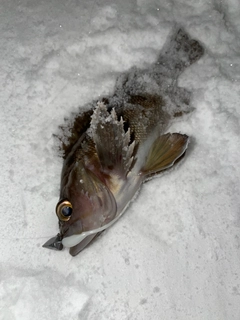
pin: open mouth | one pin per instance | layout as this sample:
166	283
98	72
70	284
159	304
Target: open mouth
54	243
58	242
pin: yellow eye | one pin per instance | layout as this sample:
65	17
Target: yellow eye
64	210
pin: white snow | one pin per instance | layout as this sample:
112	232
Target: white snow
175	252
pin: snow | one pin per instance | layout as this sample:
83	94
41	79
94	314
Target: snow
175	252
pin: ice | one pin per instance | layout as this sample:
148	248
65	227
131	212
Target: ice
28	294
175	252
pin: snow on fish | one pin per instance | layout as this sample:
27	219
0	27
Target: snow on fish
120	143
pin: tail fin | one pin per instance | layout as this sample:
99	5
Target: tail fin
179	52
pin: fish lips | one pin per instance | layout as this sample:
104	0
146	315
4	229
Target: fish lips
54	243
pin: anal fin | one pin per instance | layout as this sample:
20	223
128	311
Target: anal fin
164	151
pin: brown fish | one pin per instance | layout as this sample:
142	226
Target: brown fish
121	142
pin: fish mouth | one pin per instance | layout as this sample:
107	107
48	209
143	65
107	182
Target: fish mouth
83	244
54	243
59	241
77	239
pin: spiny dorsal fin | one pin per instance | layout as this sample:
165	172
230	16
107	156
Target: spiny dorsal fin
72	130
164	151
113	145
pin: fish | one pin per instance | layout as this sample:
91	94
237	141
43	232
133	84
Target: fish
119	142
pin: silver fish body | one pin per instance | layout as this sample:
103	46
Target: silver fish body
116	146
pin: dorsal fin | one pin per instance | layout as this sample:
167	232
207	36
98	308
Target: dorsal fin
72	130
114	148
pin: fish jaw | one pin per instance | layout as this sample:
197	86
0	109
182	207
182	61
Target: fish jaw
54	243
82	245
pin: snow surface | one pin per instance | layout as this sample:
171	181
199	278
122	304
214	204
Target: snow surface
175	252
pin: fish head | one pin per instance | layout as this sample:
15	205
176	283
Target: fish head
85	207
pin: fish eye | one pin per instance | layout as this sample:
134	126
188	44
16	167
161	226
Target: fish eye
64	210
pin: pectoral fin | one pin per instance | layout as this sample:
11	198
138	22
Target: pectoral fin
164	151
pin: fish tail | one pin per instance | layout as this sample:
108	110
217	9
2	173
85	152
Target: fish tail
179	52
